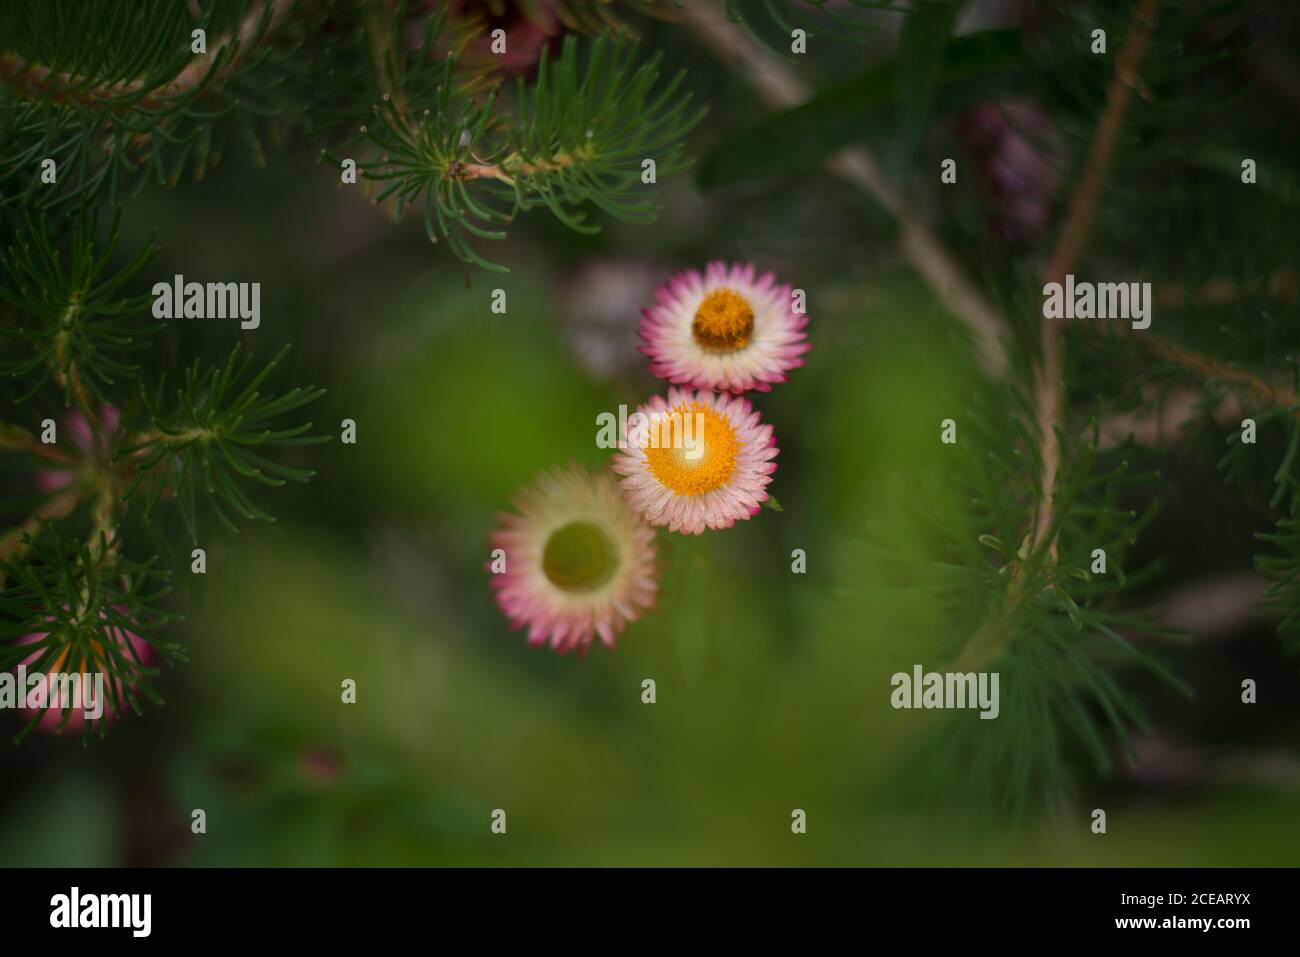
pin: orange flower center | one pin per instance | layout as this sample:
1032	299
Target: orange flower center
692	449
724	322
96	654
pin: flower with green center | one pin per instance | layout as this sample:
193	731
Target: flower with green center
580	557
574	563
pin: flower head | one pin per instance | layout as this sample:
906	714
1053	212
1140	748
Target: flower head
528	28
51	691
577	562
724	330
696	461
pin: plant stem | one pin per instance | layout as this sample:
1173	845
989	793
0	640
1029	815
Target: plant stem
101	533
993	634
1280	286
1069	248
1162	421
61	505
14	438
1211	368
158	437
1214	369
514	165
67	376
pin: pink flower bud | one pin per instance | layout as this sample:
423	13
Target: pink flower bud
1018	155
101	698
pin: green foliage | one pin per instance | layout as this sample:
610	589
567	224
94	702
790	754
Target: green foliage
107	113
921	46
200	447
1037	613
110	91
581	134
73	316
865	109
1178	209
1266	471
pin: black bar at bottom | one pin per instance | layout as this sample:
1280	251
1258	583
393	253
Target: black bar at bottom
332	906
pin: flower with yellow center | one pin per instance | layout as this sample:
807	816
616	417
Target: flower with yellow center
698	460
724	321
574	563
725	330
699	454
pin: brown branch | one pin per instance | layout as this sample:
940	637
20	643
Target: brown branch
14	438
1281	287
256	25
514	165
102	539
1069	249
1214	369
471	171
12	542
1207	366
1163	421
68	376
781	88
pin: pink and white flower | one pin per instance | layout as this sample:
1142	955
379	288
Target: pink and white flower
725	330
575	562
702	460
55	697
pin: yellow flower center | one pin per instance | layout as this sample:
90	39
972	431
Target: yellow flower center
580	557
693	449
724	322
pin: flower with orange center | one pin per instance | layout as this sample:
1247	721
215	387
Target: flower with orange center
698	460
133	654
726	329
724	321
693	428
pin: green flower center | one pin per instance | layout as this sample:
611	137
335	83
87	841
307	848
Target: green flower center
580	557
